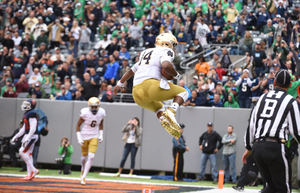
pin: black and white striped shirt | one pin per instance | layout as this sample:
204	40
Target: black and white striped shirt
275	115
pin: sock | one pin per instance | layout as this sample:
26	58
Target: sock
88	164
28	162
83	160
174	106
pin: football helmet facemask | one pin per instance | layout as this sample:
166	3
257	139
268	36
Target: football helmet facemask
28	105
166	40
94	105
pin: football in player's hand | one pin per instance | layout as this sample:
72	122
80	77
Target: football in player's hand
166	75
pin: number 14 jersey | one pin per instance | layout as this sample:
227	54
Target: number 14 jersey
90	127
149	64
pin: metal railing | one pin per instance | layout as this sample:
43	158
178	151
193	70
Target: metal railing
231	66
123	98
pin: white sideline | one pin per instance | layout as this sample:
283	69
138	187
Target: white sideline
125	175
213	190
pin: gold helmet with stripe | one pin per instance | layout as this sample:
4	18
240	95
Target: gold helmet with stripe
166	40
94	105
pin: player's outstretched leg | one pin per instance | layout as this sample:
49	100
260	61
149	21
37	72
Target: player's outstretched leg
88	166
170	113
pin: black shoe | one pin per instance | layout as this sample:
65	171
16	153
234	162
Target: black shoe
215	181
200	179
238	188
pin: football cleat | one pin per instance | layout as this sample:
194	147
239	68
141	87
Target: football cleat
82	181
170	115
26	178
33	174
166	124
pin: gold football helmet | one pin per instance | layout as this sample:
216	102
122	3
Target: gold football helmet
166	40
94	105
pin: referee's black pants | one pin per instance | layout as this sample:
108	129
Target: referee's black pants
178	166
273	165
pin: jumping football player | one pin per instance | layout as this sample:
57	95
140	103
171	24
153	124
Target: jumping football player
92	117
30	125
150	88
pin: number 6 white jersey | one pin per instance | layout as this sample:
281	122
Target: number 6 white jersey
91	123
149	64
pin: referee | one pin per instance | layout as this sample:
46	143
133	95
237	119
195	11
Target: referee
273	118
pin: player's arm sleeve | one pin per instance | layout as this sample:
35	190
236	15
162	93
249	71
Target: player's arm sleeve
167	55
135	67
82	114
32	122
21	132
293	118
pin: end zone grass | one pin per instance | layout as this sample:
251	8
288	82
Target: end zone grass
94	175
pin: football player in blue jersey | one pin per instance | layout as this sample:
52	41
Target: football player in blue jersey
30	129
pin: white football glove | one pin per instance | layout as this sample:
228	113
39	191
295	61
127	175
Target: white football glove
178	76
24	144
12	141
80	141
100	136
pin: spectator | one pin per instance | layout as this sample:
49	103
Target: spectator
202	30
248	42
42	39
64	94
242	24
85	33
179	147
229	153
19	65
34	75
257	88
100	68
8	41
251	21
50	16
268	30
225	61
216	102
102	44
281	48
195	47
194	100
89	87
183	85
182	39
244	83
17	39
9	92
194	85
202	66
27	43
72	46
220	71
208	144
135	32
30	21
259	57
132	138
124	53
38	27
36	92
111	70
22	84
108	97
57	52
55	29
231	14
62	71
4	88
219	22
231	103
262	17
281	7
65	150
94	76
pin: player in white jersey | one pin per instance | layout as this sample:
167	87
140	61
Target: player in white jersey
150	88
90	135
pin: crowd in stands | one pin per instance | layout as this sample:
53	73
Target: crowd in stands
74	50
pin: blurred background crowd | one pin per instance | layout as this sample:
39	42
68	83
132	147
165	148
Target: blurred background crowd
74	50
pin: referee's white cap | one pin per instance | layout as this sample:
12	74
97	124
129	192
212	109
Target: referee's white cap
283	78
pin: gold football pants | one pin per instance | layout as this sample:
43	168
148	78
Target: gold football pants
149	95
90	145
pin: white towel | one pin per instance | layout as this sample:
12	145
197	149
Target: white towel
164	84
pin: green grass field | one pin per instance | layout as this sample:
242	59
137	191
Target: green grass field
94	175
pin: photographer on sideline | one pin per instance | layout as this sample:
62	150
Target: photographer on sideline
65	150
